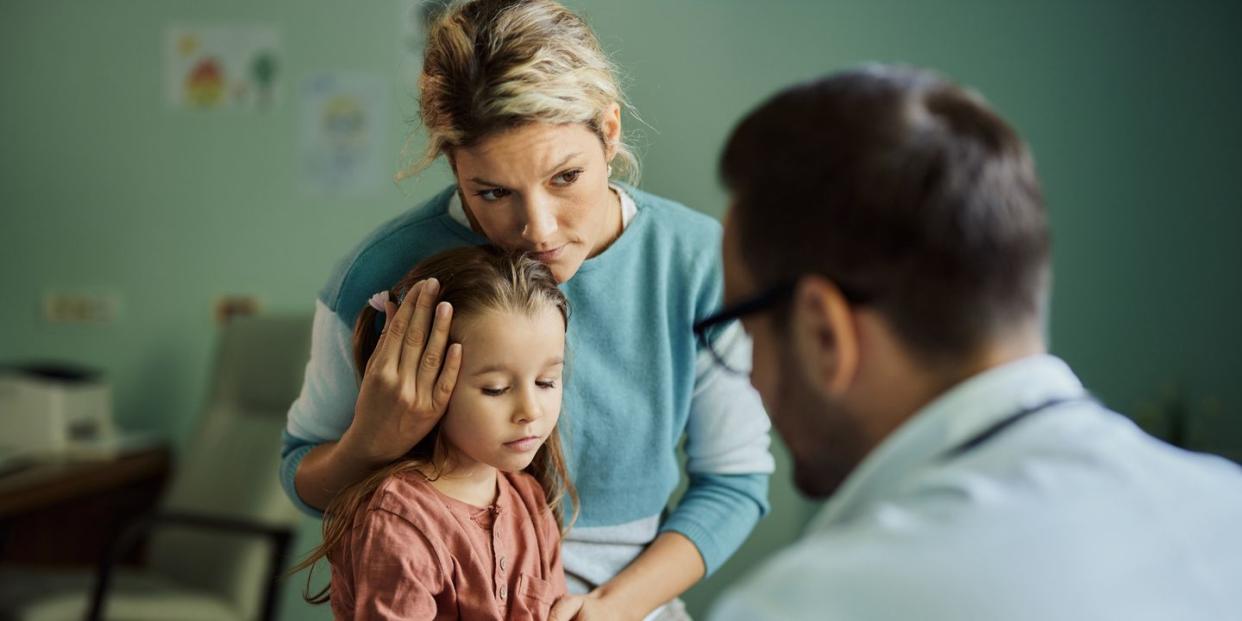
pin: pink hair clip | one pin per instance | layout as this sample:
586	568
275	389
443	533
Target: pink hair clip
378	301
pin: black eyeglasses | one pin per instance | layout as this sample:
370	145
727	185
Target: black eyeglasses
710	330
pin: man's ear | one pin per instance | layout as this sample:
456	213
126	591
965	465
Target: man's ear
824	337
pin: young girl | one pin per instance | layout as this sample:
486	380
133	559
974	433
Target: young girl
467	524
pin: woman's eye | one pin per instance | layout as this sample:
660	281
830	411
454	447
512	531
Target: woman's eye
492	195
495	392
567	178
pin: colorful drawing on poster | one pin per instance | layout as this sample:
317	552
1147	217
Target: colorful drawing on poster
343	129
221	67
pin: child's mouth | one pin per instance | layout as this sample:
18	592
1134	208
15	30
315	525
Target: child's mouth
523	444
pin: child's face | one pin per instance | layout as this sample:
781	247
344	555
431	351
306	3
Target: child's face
508	393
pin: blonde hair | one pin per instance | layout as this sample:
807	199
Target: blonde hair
474	279
492	65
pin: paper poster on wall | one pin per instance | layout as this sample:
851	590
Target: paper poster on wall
222	67
344	121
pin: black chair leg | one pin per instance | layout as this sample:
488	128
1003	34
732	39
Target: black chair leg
103	577
280	552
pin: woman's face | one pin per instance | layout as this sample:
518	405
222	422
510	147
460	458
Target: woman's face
543	189
508	394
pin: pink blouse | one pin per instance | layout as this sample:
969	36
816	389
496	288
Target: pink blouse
415	553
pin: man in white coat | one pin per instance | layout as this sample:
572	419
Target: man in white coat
887	249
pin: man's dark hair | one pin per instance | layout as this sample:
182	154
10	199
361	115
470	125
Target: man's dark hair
902	187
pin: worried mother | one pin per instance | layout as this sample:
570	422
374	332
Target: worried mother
524	105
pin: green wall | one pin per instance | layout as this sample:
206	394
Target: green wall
1131	108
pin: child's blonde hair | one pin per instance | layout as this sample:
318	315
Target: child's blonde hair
474	279
492	65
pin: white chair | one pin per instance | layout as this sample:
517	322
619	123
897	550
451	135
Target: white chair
221	537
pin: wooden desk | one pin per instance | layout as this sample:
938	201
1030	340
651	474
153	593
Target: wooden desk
64	513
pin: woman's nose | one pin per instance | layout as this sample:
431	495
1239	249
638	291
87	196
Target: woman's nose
540	222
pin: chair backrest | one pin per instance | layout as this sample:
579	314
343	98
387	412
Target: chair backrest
230	465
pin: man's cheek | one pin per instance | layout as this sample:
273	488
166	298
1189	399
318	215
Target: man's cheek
764	376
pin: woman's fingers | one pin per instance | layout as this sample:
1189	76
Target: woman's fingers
390	309
388	350
417	330
433	354
566	608
413	354
448	378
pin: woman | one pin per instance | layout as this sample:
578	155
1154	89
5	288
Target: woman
521	101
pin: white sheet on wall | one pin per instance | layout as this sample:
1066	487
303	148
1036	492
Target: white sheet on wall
343	123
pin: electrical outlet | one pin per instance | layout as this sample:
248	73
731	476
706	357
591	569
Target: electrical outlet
93	307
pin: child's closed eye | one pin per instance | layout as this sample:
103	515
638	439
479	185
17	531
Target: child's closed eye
495	392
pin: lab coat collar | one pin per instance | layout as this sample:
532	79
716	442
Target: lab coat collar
949	420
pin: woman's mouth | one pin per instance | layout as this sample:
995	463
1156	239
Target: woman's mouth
549	256
523	445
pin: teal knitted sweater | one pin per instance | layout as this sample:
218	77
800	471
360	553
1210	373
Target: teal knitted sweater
636	382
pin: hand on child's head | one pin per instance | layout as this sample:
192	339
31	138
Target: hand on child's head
411	371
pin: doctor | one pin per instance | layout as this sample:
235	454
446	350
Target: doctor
887	249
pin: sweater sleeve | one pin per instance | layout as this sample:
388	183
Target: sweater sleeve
325	407
729	460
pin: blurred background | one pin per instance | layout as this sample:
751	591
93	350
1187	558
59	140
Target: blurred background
148	193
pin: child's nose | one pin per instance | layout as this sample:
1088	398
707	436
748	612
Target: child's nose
528	409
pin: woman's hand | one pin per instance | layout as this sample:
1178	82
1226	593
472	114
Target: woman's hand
566	608
669	566
408	380
590	607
